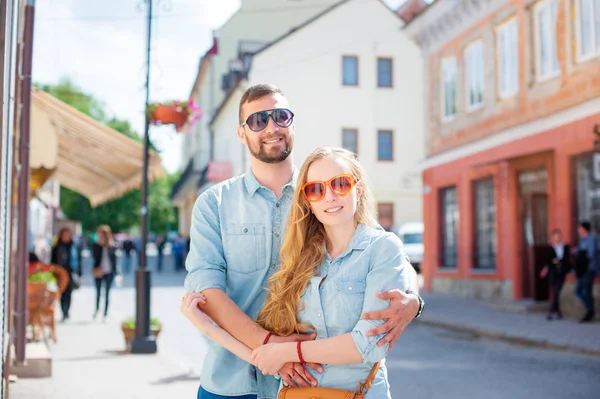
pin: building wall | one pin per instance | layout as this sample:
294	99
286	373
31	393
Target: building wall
228	146
548	123
311	78
256	20
577	82
7	90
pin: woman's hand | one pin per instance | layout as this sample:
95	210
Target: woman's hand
190	308
270	358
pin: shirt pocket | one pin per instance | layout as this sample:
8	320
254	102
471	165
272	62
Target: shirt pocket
351	294
244	246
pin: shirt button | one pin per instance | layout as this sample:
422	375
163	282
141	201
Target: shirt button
319	315
276	234
272	266
245	230
350	288
277	205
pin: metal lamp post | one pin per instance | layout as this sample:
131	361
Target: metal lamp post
144	341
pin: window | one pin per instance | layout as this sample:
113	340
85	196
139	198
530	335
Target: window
588	192
474	75
385	150
449	88
485	224
385	215
588	28
350	71
350	140
449	227
545	37
384	72
507	48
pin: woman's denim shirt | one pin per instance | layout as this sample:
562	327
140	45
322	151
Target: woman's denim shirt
342	291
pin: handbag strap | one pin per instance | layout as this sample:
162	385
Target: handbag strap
364	387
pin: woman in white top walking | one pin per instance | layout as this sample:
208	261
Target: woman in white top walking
105	266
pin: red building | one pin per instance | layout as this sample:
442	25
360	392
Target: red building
513	98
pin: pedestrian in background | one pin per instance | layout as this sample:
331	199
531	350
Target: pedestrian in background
585	269
66	255
105	266
556	269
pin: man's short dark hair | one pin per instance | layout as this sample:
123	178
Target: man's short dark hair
586	226
257	92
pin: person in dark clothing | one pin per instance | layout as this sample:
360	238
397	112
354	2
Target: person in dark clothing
585	269
105	266
65	255
160	247
557	267
127	250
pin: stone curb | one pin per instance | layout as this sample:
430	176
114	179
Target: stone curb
497	336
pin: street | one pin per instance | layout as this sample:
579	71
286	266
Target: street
427	362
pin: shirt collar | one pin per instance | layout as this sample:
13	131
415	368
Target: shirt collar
252	185
360	241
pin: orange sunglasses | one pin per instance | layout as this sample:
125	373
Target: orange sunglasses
341	185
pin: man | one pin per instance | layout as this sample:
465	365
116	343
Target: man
236	234
585	269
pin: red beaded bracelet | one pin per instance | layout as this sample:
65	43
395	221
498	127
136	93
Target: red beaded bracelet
299	347
267	338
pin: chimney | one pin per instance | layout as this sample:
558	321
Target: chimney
410	9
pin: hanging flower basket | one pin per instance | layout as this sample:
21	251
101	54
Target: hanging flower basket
182	114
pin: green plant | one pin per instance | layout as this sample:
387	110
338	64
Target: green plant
130	323
43	277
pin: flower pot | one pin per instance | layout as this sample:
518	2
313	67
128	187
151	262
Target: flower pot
169	114
129	333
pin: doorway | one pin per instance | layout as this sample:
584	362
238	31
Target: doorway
533	206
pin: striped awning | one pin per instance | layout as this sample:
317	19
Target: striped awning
85	155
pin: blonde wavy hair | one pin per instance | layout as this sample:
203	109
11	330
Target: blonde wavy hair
303	250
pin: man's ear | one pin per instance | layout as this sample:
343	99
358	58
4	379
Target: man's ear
241	134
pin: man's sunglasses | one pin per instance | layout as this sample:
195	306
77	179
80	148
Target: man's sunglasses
341	185
282	117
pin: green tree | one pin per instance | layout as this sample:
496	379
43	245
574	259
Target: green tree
123	213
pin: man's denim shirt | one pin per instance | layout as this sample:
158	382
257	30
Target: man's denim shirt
344	289
236	234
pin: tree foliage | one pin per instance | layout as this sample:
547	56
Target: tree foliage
121	214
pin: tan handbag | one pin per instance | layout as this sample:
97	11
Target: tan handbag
330	393
97	272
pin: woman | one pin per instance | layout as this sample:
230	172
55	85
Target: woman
556	269
333	264
65	255
105	266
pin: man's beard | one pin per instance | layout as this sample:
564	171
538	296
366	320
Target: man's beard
273	156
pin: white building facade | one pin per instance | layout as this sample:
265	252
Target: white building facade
353	80
254	25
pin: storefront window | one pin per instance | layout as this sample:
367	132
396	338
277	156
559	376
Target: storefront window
588	192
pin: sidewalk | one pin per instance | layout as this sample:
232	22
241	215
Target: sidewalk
486	320
89	362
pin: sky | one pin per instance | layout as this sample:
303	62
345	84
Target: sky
101	47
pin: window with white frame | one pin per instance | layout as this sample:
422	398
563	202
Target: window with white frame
474	75
507	47
588	28
546	40
448	88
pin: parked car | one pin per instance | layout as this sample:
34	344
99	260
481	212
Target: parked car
411	235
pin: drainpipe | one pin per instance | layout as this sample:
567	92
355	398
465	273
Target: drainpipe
20	313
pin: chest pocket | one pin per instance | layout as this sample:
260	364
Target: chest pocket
352	295
245	248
